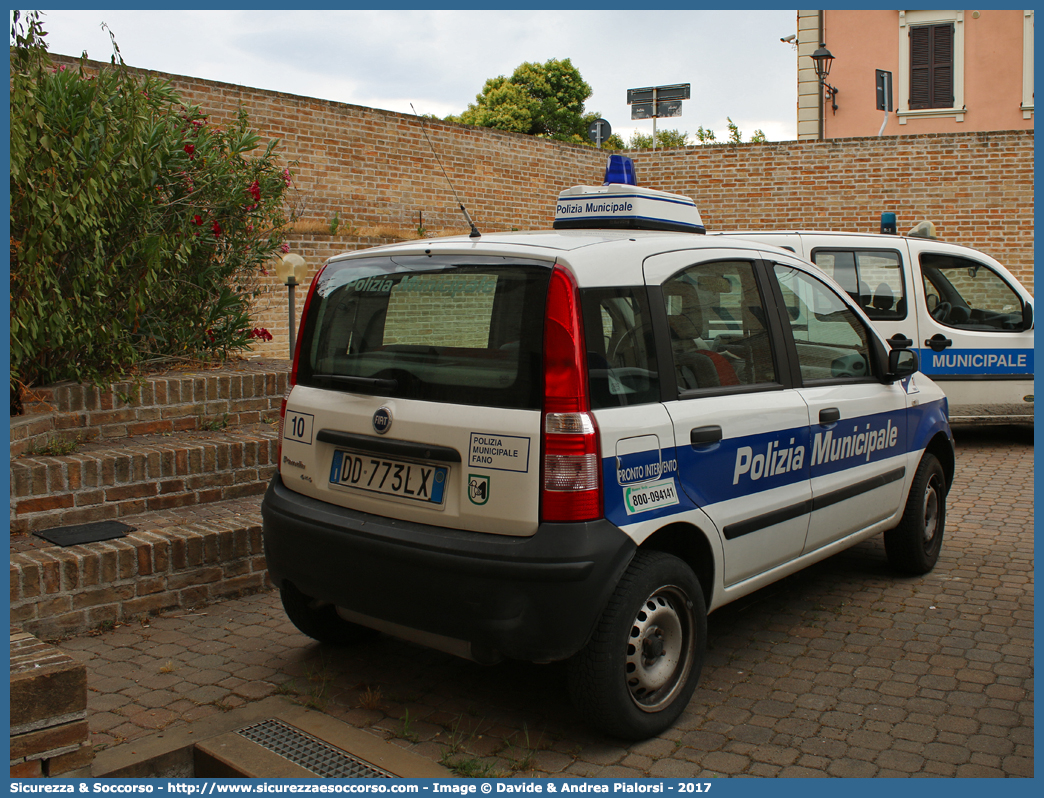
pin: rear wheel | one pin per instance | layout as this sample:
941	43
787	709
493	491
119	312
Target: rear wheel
639	669
914	545
321	621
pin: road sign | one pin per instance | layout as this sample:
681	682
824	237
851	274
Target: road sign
645	110
884	90
598	131
677	91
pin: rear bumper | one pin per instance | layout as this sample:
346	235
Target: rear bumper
531	598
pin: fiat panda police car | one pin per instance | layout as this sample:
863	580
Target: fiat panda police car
573	444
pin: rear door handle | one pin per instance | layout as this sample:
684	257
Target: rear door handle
938	342
705	436
829	415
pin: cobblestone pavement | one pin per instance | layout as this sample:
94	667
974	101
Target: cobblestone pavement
843	669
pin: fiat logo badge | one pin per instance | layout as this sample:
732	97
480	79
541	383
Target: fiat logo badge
382	421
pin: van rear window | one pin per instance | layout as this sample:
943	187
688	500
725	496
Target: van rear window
443	329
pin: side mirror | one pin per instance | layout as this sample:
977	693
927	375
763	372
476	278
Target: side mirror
902	363
1027	316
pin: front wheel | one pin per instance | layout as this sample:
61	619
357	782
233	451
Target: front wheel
639	669
914	545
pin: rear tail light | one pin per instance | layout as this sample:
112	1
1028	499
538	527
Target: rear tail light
571	474
282	418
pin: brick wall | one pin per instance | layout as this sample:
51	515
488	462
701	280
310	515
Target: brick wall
976	187
374	169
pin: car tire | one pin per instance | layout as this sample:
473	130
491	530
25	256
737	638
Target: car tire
639	669
914	545
321	621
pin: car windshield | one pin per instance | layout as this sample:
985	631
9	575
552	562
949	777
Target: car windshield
458	329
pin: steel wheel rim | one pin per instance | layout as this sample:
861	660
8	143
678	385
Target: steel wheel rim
931	511
660	648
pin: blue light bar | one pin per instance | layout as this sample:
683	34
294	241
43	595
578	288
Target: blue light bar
620	169
888	223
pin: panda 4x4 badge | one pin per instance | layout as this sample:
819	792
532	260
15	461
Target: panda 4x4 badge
478	489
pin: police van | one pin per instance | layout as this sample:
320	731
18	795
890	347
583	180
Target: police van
967	316
573	444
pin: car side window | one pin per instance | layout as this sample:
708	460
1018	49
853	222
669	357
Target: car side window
873	278
969	295
621	353
717	323
831	341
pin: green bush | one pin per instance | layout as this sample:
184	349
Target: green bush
138	228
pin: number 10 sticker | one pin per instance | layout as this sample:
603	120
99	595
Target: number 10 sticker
298	426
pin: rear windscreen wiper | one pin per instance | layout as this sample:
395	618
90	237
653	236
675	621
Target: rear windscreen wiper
373	383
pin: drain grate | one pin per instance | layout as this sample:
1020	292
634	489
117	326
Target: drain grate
310	752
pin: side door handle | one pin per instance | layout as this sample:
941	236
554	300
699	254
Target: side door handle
829	415
900	341
705	436
938	342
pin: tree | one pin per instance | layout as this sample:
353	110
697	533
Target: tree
544	100
138	227
664	138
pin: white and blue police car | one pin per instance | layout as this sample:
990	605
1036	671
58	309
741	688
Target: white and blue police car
573	444
968	317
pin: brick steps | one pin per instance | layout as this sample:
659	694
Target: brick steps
128	476
182	457
241	393
174	559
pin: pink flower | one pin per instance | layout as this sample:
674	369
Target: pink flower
285	248
191	150
262	333
197	219
255	191
286	176
217	230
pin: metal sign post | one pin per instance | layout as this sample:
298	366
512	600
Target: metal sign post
598	131
654	102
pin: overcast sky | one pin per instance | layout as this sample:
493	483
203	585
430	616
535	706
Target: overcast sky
439	60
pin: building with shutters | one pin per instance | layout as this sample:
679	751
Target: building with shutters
949	72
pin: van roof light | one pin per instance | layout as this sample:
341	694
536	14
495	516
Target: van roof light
620	170
889	225
621	204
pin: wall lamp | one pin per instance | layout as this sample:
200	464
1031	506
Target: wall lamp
291	271
823	58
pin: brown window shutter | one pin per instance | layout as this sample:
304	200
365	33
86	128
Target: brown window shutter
931	66
942	66
920	68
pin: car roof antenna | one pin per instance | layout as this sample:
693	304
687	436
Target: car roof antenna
474	230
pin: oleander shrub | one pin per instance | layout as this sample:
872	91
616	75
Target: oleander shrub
138	227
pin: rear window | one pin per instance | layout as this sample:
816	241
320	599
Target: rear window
457	329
